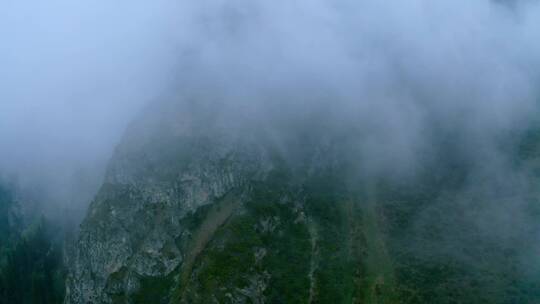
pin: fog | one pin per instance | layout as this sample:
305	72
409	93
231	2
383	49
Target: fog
74	74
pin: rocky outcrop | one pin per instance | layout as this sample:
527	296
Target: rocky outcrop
137	228
197	210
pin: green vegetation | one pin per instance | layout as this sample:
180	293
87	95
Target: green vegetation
7	228
340	241
295	240
260	245
32	270
31	267
452	238
154	290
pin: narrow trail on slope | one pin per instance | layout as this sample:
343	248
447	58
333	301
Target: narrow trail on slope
380	281
314	260
218	214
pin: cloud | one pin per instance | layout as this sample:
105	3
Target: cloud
75	73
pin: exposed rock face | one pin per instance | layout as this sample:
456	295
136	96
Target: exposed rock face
196	209
136	228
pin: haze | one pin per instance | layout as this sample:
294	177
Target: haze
73	74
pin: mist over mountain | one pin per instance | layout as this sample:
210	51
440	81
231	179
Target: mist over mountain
273	152
75	74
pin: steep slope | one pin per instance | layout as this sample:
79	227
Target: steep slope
196	213
197	208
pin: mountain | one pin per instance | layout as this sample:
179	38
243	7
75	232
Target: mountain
197	207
